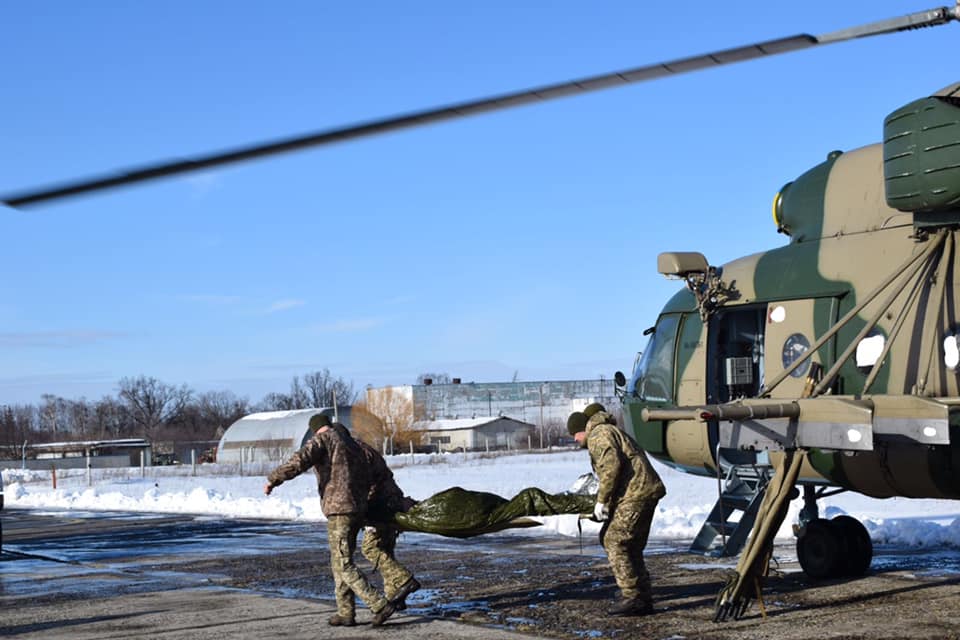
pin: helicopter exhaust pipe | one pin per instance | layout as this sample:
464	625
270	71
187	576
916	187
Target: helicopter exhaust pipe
725	412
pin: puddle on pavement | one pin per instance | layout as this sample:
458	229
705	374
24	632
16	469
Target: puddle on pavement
98	562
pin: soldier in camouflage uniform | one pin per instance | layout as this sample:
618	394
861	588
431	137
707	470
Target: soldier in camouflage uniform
344	483
626	500
380	535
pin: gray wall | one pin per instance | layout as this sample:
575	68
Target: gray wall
96	462
524	401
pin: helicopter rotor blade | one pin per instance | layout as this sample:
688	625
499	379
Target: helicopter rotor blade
929	18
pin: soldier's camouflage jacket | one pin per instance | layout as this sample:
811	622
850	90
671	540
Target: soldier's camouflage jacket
384	498
626	475
341	467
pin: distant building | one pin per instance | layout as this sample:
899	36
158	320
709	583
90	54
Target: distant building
466	434
271	436
546	404
102	454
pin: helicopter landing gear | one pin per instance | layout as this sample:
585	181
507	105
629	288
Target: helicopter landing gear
835	548
858	544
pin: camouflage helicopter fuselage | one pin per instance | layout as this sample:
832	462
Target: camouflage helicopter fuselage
843	339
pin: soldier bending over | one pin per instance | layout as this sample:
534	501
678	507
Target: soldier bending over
626	500
344	483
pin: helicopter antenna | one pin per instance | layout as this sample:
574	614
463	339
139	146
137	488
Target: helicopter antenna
930	18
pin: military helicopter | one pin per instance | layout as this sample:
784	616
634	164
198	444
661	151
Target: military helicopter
793	366
852	362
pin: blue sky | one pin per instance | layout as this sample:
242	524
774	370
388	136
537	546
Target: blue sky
520	242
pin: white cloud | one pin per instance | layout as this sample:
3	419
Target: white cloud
40	379
285	305
56	339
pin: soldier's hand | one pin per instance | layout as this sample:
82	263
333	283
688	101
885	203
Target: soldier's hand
600	512
267	488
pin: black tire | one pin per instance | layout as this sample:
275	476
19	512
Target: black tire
820	549
859	547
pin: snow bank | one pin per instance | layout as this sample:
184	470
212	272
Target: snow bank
900	521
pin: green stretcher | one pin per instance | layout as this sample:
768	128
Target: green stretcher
458	513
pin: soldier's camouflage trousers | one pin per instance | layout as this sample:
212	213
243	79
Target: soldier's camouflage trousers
347	579
624	537
379	542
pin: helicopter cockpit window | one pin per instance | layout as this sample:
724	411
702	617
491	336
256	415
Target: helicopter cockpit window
653	376
869	350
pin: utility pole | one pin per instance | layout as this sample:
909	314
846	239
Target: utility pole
541	415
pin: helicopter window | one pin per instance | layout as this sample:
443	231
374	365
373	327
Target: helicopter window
951	352
869	350
653	376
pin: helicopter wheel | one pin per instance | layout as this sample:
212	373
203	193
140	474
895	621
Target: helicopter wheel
820	549
859	547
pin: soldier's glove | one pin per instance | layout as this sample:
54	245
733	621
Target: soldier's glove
600	512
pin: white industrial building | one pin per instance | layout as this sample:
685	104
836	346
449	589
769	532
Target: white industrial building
466	434
544	404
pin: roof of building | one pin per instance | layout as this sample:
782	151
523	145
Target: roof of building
272	425
84	444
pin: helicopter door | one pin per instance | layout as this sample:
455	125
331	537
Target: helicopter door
791	328
691	359
686	440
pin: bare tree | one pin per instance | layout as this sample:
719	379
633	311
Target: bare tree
17	425
111	418
80	416
434	378
275	402
385	415
220	409
315	391
321	387
53	414
366	426
152	403
299	398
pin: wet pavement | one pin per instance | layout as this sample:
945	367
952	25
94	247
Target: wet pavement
110	575
49	551
84	554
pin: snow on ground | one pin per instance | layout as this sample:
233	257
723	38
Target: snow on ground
223	491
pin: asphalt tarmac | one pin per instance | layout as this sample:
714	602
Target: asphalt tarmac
95	575
89	576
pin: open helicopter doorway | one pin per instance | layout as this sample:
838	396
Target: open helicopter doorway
735	354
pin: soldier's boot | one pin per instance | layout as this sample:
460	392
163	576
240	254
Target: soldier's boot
400	599
337	620
381	616
631	607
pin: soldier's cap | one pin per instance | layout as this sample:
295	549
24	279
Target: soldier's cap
593	408
577	422
319	421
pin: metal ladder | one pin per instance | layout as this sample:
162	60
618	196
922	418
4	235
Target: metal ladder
742	493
